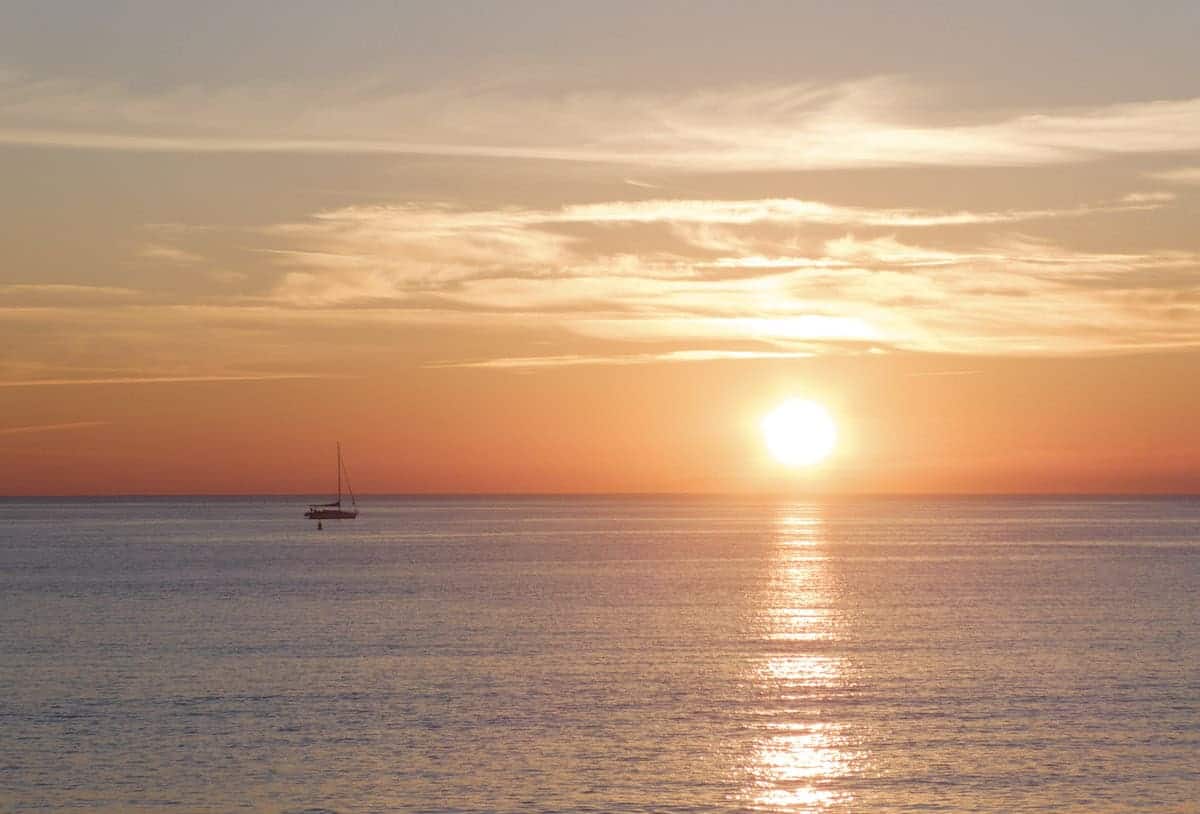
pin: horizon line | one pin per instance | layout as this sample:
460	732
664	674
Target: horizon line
567	495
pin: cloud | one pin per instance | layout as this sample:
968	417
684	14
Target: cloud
728	272
794	211
1149	197
576	360
156	380
37	428
35	295
169	254
384	222
620	282
379	253
1180	175
657	280
866	123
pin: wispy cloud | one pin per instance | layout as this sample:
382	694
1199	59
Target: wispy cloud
791	210
382	252
37	428
1180	175
866	123
60	294
576	360
656	280
155	380
166	253
751	280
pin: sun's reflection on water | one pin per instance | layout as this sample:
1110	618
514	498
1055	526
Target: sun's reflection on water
803	750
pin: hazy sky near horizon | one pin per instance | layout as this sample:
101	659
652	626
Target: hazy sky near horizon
584	247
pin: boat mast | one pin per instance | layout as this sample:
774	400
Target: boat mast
339	450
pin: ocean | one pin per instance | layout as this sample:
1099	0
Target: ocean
605	654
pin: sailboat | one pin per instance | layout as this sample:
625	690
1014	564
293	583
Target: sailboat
334	510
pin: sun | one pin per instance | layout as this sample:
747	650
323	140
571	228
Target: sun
799	433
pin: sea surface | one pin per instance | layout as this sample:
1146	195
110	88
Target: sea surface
601	655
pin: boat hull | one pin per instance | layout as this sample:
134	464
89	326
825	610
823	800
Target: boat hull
330	514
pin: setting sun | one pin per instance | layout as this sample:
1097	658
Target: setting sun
799	433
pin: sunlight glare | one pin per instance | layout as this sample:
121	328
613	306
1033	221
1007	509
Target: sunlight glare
799	433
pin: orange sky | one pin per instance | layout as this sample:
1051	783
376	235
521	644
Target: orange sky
574	250
911	424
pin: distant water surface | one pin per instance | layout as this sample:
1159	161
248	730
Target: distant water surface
601	654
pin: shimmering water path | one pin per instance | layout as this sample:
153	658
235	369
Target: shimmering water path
601	655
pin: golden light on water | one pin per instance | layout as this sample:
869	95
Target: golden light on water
803	752
796	761
799	432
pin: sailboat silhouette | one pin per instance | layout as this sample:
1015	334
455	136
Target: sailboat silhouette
334	510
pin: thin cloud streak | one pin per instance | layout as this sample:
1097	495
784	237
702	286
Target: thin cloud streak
37	428
162	252
1180	175
423	218
790	210
334	146
575	360
866	123
157	380
50	294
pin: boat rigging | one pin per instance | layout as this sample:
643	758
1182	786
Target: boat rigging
334	510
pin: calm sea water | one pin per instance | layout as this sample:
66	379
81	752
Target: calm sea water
601	655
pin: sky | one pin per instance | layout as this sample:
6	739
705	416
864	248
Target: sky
564	247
